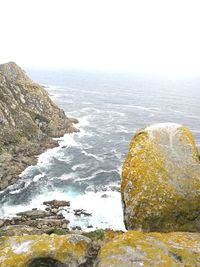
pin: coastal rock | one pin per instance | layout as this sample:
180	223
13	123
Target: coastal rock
134	249
33	214
57	203
12	230
39	250
79	212
161	180
28	121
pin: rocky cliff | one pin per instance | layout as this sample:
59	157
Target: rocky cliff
28	121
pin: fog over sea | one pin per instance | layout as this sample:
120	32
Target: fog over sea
86	166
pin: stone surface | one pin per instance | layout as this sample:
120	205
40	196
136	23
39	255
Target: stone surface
79	212
25	251
161	180
1	223
28	121
33	214
134	249
57	203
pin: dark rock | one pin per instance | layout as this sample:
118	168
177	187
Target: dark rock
105	196
79	212
74	228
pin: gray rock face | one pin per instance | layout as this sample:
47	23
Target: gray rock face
28	121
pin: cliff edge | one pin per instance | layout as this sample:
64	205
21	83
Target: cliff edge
28	121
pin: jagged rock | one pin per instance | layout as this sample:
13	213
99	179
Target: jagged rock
134	249
161	180
73	120
57	203
28	121
38	250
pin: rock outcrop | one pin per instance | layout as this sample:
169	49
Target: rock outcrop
28	121
44	250
161	180
134	249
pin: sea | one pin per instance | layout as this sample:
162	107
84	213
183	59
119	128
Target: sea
86	167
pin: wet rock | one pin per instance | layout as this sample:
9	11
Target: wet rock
79	212
134	249
57	203
105	196
161	180
74	228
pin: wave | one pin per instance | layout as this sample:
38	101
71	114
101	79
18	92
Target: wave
98	158
151	109
93	176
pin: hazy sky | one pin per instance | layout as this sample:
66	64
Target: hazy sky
155	36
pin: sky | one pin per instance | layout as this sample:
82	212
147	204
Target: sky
145	36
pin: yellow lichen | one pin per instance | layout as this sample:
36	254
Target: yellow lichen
18	251
153	249
160	191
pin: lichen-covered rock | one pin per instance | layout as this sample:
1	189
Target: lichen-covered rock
27	251
134	249
161	180
28	121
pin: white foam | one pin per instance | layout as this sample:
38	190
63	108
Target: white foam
77	166
103	214
38	177
98	158
84	121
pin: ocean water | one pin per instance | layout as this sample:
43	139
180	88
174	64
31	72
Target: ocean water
86	166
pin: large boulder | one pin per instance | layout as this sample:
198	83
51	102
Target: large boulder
134	249
161	180
44	250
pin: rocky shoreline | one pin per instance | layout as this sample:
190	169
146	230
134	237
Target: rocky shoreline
161	176
37	221
160	191
29	121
